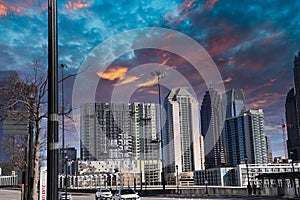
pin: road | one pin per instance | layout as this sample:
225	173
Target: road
16	195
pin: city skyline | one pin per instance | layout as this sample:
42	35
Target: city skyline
252	53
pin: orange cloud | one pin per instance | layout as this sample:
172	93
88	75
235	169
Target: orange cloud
165	61
113	73
151	82
228	80
128	79
6	8
79	4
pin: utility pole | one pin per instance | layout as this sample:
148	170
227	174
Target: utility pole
160	75
31	95
52	128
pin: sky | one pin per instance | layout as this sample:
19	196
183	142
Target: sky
252	44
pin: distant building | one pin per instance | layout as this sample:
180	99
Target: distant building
235	140
269	149
212	121
292	111
202	155
181	133
256	147
244	136
237	176
122	131
235	103
278	160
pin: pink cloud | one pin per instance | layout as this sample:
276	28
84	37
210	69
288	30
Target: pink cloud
210	4
78	4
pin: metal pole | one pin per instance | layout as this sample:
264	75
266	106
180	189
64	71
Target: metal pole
248	186
62	66
205	181
159	75
66	176
52	142
293	170
177	180
29	192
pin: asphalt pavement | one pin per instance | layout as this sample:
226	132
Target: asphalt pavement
7	194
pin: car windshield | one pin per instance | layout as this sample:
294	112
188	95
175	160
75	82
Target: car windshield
127	191
64	193
105	190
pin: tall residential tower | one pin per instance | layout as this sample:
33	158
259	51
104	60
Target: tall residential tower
292	109
212	120
181	133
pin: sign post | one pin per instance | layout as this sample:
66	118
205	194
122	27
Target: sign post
43	183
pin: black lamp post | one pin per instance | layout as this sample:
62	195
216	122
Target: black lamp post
293	170
159	75
31	97
248	186
205	181
177	180
66	176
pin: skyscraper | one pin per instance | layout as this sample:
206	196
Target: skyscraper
122	131
269	149
292	109
235	140
256	146
181	132
244	136
212	121
235	103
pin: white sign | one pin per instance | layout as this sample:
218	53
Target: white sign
43	183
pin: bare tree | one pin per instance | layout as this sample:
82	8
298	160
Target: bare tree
27	98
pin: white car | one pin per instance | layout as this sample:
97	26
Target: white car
126	194
63	196
103	194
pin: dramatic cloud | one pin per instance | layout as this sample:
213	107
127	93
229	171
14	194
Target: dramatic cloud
252	43
113	73
76	5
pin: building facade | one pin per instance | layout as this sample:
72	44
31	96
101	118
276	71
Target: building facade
235	103
292	109
122	131
238	175
269	149
212	121
181	133
235	140
244	137
256	146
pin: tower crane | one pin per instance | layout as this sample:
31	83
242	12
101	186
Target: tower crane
283	126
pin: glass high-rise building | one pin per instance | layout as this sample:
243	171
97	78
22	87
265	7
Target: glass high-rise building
122	131
292	109
235	103
244	136
212	121
181	133
256	146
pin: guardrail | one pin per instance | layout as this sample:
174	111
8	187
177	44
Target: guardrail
8	181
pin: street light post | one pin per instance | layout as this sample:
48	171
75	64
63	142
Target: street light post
177	180
31	96
205	181
52	123
248	186
159	75
293	171
66	177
